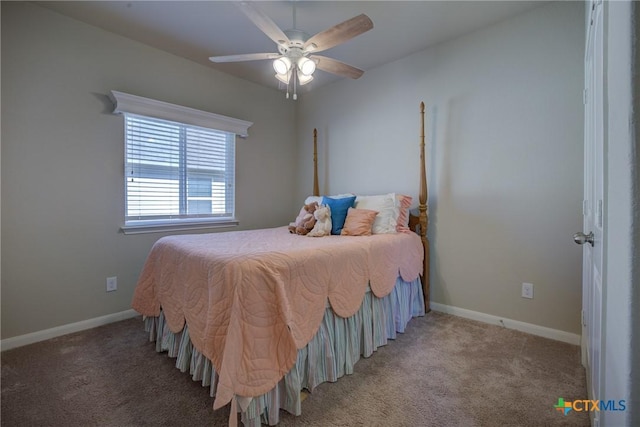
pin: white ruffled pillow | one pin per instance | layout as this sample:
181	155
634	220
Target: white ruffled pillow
388	211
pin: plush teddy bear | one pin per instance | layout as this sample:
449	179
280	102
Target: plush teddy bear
323	222
305	220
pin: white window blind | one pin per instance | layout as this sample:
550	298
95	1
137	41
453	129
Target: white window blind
175	171
179	165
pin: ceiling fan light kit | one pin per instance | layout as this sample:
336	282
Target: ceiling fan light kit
306	66
284	77
295	48
303	79
282	65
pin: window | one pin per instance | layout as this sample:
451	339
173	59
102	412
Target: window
175	171
177	175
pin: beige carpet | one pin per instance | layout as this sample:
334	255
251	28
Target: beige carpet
444	371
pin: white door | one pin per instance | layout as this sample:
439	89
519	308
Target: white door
593	208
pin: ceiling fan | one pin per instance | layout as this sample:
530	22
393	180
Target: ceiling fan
296	59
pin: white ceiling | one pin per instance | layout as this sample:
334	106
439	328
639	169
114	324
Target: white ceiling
199	29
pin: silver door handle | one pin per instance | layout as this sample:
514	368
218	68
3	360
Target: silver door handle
581	238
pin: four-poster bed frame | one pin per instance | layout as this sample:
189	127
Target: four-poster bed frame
239	312
418	224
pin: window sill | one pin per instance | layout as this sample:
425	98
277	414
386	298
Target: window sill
161	227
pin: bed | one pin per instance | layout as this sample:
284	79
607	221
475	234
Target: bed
260	315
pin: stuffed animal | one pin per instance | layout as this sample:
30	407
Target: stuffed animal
305	220
323	222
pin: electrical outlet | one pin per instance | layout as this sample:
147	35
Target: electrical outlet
112	284
527	290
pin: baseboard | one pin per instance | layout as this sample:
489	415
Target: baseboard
554	334
21	340
529	328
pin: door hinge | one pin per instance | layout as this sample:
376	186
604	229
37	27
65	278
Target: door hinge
585	95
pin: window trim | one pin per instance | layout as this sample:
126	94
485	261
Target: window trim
159	226
127	103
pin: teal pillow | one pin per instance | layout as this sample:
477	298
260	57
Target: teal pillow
339	208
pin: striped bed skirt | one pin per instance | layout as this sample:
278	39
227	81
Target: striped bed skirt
331	353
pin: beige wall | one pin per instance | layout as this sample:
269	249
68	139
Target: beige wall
504	141
504	131
62	161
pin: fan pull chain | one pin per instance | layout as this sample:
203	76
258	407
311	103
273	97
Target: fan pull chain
295	86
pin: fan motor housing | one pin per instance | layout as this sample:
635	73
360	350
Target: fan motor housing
296	38
293	48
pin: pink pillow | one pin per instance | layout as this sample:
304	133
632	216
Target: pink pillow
359	222
404	203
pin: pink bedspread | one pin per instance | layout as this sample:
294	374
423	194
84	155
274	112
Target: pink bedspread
253	298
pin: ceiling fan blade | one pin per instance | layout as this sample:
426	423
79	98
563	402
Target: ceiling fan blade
264	23
339	33
244	57
336	67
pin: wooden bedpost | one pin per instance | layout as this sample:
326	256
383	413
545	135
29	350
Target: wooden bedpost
316	190
424	216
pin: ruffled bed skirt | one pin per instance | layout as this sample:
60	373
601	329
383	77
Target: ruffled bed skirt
330	354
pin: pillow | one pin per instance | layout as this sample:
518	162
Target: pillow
339	208
318	199
385	205
358	222
403	203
